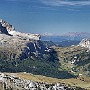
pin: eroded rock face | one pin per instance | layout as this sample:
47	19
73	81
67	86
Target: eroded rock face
14	44
8	29
85	43
16	47
12	82
3	30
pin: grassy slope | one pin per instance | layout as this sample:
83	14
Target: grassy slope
66	56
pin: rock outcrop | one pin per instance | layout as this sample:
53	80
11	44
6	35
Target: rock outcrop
12	82
85	43
6	25
3	30
15	44
8	29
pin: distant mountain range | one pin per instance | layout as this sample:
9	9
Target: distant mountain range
71	38
68	36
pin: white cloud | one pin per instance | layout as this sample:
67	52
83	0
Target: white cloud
66	2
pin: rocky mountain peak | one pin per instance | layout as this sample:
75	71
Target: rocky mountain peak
22	45
85	43
6	25
8	29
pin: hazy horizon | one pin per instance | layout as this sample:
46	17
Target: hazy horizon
47	16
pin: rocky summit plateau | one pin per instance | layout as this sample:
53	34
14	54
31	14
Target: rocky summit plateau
19	45
6	28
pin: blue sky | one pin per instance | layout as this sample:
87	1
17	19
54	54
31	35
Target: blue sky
47	16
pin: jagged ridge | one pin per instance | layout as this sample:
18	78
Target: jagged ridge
8	29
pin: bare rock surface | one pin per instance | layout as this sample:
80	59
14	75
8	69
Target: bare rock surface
20	44
12	82
85	43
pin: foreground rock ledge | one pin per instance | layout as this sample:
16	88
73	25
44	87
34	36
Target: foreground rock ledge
12	82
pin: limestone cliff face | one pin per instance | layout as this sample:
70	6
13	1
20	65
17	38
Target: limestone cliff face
13	82
3	30
6	28
14	44
85	43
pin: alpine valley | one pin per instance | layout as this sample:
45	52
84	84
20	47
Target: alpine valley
31	62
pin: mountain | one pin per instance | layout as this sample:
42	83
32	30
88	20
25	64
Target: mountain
85	43
68	36
68	39
77	35
25	52
6	28
75	59
20	45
